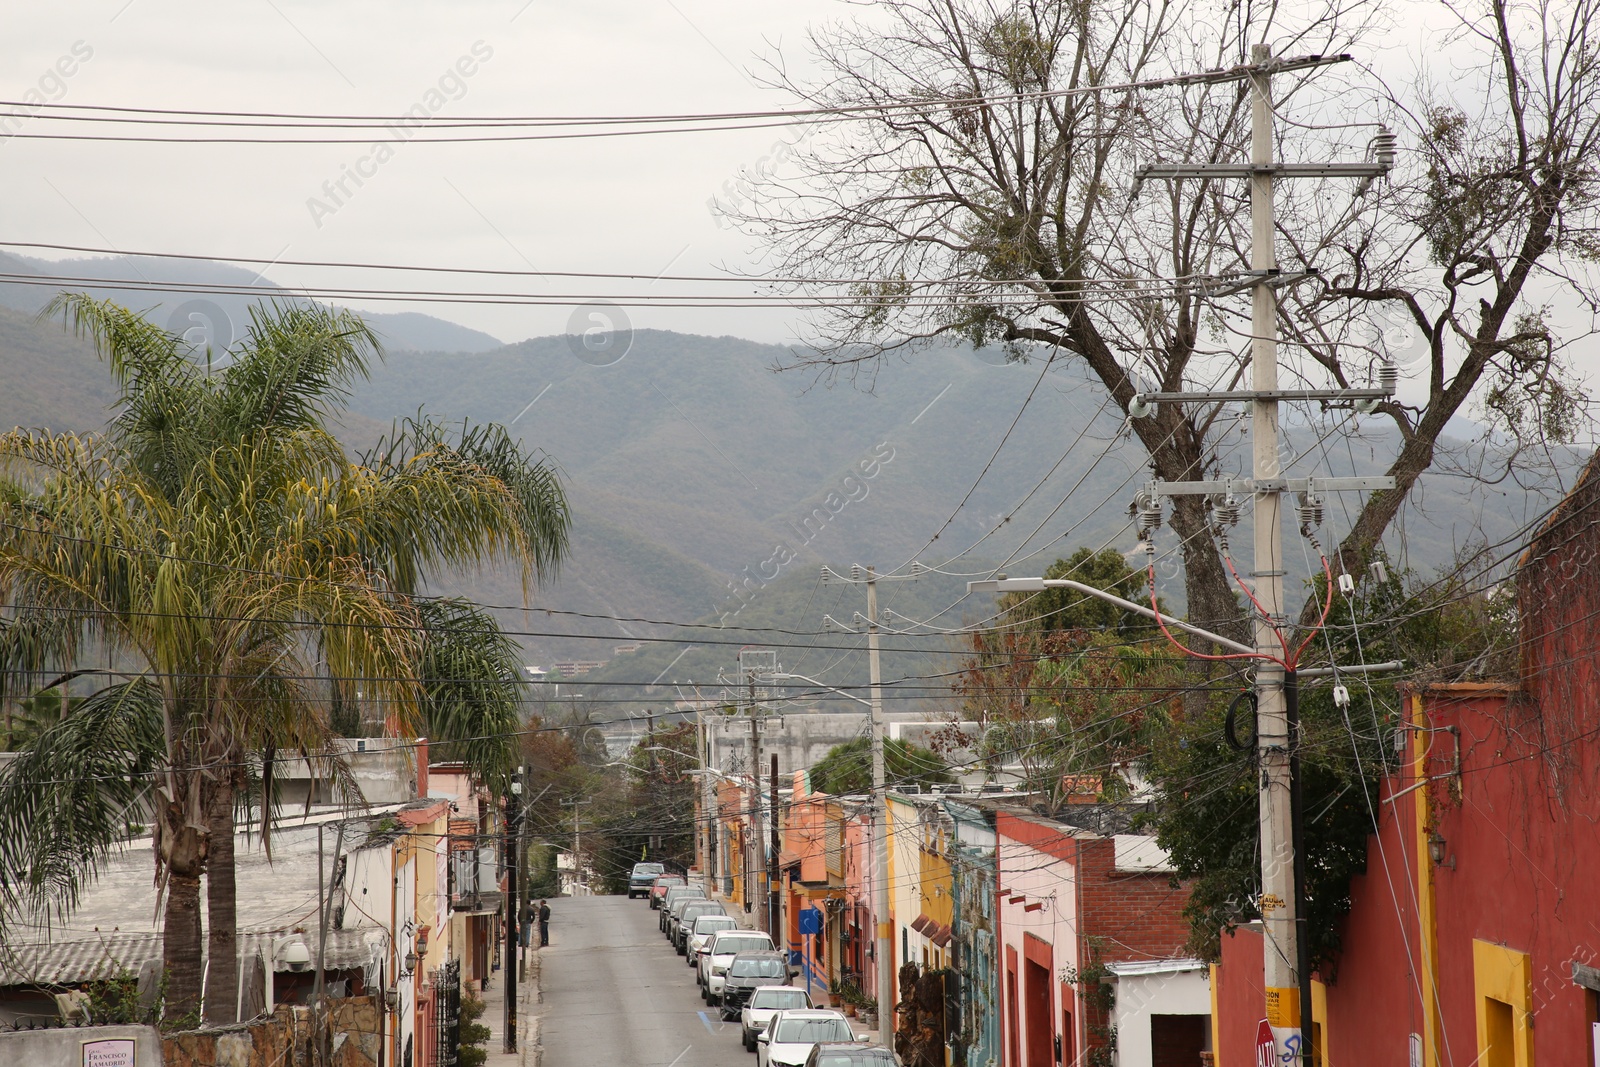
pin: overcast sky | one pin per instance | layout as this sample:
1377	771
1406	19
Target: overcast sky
629	204
634	204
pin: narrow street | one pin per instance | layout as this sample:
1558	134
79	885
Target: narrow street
615	993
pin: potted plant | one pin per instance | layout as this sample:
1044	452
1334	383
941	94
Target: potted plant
867	1011
835	993
852	997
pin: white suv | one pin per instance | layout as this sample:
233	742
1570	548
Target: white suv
700	936
725	945
763	1004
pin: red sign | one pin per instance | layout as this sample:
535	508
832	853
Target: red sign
1266	1050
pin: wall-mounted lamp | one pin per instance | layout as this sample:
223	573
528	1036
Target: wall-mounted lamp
1436	851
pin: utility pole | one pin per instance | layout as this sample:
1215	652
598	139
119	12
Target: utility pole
524	877
707	802
1282	903
884	952
578	876
1279	906
650	745
754	852
773	880
513	927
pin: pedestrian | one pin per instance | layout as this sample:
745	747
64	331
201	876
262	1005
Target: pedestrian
544	924
527	924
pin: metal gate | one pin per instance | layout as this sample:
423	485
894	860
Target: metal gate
447	1001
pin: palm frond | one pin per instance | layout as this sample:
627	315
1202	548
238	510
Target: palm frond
472	696
66	800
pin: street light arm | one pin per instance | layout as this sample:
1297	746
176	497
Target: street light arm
1036	585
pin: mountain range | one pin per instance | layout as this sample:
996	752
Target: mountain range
709	488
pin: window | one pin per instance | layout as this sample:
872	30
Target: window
813	1031
1502	986
773	998
1592	1002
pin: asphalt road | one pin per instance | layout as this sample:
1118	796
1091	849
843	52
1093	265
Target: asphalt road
616	995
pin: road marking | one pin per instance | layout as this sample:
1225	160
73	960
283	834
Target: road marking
704	1018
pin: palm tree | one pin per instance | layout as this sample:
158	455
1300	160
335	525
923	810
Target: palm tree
220	538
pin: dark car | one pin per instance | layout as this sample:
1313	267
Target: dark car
830	1054
748	972
692	911
672	902
643	876
659	887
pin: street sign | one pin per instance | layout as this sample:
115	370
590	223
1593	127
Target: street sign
110	1052
1266	1050
811	921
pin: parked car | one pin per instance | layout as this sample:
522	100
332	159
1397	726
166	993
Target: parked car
674	896
700	935
852	1055
643	876
671	913
763	1002
692	911
790	1035
659	887
748	972
719	954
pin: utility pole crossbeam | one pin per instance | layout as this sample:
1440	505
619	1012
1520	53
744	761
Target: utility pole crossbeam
1271	485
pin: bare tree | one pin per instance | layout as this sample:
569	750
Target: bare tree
978	184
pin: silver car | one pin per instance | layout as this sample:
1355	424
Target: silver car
719	954
763	1003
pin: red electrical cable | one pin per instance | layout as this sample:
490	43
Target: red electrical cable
1264	612
1327	604
1189	651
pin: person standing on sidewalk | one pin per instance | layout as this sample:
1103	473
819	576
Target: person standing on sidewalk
544	924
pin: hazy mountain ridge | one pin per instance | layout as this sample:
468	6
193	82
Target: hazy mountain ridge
198	311
704	486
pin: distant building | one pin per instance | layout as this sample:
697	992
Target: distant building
576	668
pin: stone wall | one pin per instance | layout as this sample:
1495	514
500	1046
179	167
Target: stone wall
284	1039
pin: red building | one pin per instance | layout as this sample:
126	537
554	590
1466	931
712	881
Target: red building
1092	935
1474	936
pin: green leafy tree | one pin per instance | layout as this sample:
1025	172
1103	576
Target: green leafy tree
219	538
847	768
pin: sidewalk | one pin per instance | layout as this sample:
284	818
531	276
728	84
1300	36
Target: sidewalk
494	1016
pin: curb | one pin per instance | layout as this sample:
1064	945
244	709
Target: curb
534	996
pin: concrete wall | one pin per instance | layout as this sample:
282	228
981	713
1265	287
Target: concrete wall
65	1048
1139	996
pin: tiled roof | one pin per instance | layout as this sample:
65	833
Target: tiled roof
116	925
66	962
